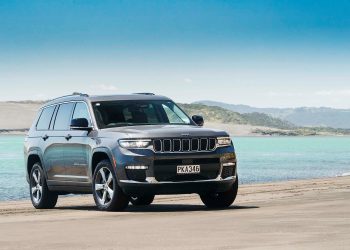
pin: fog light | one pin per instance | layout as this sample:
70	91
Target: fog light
137	167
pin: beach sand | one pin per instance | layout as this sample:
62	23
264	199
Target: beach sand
304	214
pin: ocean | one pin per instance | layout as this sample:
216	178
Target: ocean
260	159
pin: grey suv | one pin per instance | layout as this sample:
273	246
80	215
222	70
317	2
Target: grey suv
126	148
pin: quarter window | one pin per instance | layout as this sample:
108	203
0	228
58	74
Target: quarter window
45	118
63	116
174	114
81	111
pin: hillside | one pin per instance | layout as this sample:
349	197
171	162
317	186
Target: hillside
16	117
255	123
221	115
306	117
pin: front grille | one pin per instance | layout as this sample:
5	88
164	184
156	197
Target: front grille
184	145
165	162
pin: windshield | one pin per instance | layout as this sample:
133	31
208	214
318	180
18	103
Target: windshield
111	114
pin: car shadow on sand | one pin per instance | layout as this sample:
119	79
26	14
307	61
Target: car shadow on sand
160	208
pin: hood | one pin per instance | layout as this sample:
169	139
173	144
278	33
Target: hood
166	131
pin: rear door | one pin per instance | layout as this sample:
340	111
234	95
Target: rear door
43	128
55	152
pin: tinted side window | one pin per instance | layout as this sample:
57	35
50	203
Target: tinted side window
81	111
63	116
45	118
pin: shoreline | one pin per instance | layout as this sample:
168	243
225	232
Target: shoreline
307	214
279	182
293	183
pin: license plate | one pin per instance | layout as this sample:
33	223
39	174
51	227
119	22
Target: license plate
188	169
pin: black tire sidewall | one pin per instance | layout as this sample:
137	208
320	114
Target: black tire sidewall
48	199
142	200
223	199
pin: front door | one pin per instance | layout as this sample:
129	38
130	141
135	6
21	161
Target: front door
78	147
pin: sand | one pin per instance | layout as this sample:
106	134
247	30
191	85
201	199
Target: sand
306	214
17	115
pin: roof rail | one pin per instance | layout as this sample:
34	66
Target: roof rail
144	94
74	94
81	94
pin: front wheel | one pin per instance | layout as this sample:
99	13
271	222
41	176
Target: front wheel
221	199
40	195
142	200
108	195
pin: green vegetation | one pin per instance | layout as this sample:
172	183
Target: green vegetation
274	126
221	115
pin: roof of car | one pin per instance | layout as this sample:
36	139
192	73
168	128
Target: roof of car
101	98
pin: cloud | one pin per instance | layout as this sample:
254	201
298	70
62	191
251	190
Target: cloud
339	93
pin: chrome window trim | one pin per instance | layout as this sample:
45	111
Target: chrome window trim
92	121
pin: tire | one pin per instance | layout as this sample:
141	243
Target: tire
40	195
107	194
142	200
222	199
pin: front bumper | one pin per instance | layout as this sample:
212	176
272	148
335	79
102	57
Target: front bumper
161	177
186	187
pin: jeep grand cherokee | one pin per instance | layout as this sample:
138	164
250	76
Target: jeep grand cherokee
126	148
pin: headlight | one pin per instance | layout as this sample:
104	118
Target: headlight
224	141
137	143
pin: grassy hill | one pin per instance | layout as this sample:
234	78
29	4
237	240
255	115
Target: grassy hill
221	115
271	125
303	116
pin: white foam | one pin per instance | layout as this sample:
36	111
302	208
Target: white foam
346	174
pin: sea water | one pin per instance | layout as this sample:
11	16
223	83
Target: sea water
260	159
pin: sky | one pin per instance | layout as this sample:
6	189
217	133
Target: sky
271	53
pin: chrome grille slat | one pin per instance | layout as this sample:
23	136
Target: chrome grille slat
167	145
195	144
176	145
187	143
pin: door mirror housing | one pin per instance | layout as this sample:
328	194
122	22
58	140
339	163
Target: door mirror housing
80	124
198	120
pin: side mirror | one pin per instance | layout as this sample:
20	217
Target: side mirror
80	124
198	120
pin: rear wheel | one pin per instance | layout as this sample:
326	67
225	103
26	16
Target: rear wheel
41	196
142	200
108	195
221	199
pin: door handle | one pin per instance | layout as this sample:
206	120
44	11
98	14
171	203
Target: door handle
45	137
68	137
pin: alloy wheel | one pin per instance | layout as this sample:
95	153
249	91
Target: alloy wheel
104	186
36	186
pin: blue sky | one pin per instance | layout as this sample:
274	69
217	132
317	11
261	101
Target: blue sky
262	53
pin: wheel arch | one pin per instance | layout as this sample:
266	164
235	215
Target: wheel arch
33	157
99	155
